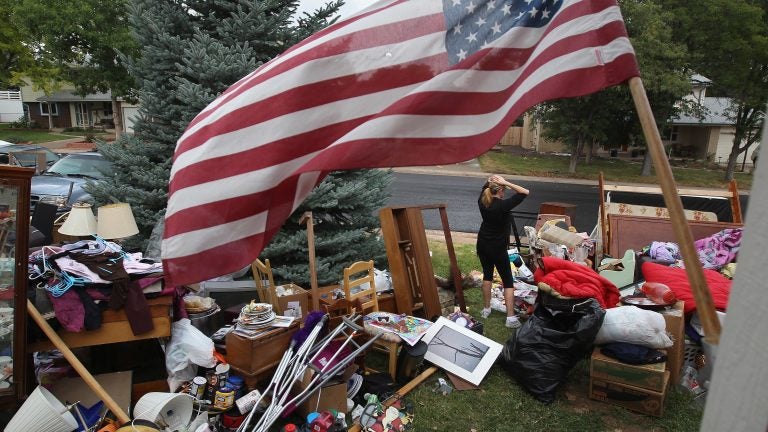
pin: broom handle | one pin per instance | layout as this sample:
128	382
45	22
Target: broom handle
75	362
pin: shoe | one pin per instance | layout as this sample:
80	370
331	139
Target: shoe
485	313
513	322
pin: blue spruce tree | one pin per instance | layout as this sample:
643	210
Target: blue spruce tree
190	53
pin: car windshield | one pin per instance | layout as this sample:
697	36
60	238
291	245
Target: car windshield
26	156
82	165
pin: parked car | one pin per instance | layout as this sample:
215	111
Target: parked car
62	183
24	154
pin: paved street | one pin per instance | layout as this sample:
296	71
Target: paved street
460	193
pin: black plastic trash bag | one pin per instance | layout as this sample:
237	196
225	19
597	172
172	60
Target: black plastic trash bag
558	334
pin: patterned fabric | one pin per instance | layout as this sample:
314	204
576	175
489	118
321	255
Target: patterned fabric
719	249
657	212
664	251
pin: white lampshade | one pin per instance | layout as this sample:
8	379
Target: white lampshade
80	222
116	221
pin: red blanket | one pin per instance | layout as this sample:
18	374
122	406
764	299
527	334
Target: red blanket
576	280
677	280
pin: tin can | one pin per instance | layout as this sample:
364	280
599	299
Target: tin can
197	387
222	371
225	398
213	384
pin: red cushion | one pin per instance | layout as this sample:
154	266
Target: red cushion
677	280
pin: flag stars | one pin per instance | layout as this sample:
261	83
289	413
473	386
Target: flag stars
533	12
471	7
461	54
472	37
491	5
545	14
457	29
521	15
496	28
480	22
455	2
506	9
528	2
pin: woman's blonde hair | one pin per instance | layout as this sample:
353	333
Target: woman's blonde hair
489	192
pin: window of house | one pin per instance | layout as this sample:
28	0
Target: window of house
670	134
44	109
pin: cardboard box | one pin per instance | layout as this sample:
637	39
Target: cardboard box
648	376
257	355
676	328
332	396
633	398
298	301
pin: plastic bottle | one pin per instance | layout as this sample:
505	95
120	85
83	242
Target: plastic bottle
658	293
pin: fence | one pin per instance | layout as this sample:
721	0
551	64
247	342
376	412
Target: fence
10	95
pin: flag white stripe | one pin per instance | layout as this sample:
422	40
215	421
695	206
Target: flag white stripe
424	126
234	186
215	236
321	115
393	15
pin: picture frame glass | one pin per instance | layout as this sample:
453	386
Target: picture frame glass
460	351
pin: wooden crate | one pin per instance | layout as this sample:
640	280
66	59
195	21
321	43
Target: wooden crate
254	356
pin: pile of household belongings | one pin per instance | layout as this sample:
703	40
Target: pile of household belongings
576	308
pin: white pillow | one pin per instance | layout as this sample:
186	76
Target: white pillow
634	325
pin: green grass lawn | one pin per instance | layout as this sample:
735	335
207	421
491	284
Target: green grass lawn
614	170
502	405
29	135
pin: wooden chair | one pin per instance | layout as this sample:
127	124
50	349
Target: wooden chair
265	283
365	300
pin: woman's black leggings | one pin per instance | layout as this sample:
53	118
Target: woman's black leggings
495	257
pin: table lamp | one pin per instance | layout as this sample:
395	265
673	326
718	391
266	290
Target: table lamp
80	222
116	221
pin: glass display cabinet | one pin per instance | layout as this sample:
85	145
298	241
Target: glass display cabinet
14	231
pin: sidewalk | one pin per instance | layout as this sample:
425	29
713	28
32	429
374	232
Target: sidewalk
471	168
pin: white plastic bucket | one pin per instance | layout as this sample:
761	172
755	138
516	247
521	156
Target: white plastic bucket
42	412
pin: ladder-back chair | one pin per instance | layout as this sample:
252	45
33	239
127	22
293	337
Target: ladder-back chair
365	299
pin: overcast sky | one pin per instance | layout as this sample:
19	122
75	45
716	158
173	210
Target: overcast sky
350	6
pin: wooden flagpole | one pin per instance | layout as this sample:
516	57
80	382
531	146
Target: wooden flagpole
704	305
75	362
307	218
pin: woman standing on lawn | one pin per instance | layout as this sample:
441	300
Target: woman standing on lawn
493	240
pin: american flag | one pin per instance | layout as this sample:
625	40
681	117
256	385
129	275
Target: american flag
401	83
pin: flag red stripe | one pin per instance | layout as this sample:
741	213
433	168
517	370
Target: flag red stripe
314	94
271	154
397	32
388	152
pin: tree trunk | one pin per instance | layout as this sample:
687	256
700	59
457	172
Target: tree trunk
50	116
733	156
575	151
646	170
117	117
588	153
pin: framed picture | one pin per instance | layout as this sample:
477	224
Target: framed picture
460	351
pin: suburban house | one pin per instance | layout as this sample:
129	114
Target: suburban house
689	137
68	109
